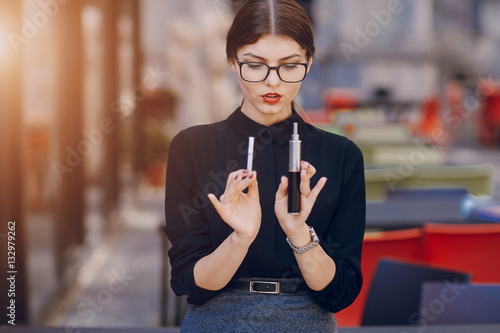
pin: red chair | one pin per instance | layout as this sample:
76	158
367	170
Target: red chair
469	247
401	244
490	112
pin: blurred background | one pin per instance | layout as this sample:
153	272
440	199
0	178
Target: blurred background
92	91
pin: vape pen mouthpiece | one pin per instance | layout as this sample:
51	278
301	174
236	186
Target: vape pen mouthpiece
250	153
294	156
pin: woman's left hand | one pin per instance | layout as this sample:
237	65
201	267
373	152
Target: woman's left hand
295	226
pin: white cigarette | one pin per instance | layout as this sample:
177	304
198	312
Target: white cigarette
250	153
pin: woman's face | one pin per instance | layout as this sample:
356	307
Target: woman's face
269	101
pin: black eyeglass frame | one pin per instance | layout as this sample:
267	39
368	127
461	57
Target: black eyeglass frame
270	68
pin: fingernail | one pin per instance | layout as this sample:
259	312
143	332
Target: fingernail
251	176
245	171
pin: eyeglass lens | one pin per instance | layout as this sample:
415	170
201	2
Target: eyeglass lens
256	72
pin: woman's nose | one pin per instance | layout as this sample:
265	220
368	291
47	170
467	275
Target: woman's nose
273	78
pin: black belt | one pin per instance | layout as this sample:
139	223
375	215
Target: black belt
267	287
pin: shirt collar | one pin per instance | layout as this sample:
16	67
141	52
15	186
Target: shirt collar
281	131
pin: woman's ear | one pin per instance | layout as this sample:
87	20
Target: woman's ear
232	64
311	60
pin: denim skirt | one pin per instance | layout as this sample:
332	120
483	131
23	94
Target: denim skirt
236	310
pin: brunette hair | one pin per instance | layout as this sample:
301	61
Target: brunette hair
257	18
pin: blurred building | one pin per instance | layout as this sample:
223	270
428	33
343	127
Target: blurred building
405	51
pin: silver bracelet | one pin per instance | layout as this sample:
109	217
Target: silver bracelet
315	241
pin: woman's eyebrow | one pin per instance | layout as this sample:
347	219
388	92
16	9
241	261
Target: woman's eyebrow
264	59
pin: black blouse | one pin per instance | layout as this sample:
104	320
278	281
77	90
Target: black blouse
200	160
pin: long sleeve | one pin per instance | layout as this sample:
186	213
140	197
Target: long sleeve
187	227
342	238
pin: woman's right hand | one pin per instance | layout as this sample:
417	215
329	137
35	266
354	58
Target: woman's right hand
240	211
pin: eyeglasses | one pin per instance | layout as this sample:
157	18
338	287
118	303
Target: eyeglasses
258	71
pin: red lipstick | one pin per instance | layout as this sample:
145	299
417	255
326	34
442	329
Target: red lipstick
271	98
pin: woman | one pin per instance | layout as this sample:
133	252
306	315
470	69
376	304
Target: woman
243	261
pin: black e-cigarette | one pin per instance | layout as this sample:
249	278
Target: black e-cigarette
294	172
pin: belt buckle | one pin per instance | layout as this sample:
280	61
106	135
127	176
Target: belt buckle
275	284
